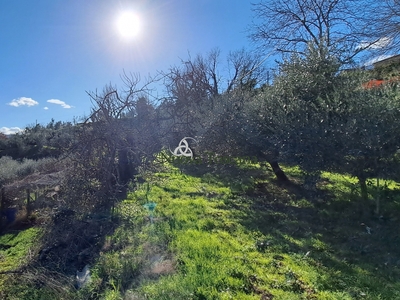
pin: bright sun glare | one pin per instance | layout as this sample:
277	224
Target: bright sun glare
128	25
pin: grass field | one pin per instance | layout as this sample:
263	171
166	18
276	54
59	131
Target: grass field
237	233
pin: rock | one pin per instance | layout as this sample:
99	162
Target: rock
83	278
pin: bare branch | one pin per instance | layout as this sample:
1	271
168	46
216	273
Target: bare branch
286	26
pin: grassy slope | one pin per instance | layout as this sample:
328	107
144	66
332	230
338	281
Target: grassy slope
15	251
238	234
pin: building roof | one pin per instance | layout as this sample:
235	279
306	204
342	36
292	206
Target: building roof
387	61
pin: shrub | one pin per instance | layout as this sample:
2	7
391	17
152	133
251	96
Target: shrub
11	169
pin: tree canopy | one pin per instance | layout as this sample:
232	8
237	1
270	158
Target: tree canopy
289	26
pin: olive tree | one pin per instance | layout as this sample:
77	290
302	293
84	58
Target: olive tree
323	119
233	128
370	134
298	110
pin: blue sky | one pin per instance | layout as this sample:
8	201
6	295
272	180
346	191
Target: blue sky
53	51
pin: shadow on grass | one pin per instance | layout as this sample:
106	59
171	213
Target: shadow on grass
69	242
328	227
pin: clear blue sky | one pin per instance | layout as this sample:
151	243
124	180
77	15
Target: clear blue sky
53	51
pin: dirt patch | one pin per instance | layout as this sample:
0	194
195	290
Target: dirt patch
159	265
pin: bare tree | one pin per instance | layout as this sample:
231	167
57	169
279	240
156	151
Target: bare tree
288	26
195	80
126	122
195	87
246	70
113	141
383	26
191	89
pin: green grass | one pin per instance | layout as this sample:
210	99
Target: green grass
15	246
237	233
239	243
15	249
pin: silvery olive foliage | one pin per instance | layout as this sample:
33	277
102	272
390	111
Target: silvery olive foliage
322	118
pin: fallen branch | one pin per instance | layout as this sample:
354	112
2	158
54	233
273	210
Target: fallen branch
20	271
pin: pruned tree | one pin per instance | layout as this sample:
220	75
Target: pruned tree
235	128
114	140
289	26
294	115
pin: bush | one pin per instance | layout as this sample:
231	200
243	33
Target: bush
11	169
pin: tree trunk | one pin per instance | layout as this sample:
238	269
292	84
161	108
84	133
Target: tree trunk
363	204
377	198
3	200
123	166
280	175
28	202
363	186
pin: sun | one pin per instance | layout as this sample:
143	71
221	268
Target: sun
128	25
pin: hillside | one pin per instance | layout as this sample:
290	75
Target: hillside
234	232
